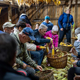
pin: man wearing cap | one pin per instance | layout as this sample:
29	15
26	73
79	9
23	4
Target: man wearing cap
22	56
8	27
64	22
47	23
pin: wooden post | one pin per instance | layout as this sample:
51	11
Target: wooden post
76	13
10	13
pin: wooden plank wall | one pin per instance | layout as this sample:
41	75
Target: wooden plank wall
55	12
4	16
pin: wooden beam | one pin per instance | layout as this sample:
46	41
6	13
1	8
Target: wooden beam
10	13
34	15
42	12
37	20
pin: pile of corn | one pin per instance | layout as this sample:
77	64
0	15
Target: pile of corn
64	44
59	74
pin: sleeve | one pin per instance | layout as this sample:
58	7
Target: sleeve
78	63
31	46
72	20
18	61
46	35
78	55
41	41
56	42
28	60
60	21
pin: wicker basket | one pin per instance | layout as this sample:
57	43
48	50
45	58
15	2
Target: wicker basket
45	75
77	77
58	62
65	48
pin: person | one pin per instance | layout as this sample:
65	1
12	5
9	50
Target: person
39	33
40	40
8	49
47	23
74	70
23	17
31	48
8	27
54	35
19	27
77	31
37	26
22	57
77	44
64	24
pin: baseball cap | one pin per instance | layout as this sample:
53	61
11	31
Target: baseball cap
8	24
28	31
47	17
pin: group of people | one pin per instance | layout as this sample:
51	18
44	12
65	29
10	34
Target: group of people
20	45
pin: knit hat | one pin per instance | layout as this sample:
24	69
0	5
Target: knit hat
47	17
55	28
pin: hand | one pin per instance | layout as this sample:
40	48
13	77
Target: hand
39	67
61	29
74	63
56	48
51	40
74	51
24	66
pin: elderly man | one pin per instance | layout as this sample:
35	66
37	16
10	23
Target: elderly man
8	49
39	33
47	23
22	55
8	27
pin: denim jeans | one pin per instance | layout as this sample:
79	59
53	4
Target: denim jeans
37	56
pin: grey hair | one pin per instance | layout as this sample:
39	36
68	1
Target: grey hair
42	26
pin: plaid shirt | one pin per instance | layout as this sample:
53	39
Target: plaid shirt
22	54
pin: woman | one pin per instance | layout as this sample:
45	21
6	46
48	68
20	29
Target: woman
64	22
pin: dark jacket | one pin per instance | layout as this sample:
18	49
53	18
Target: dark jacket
39	39
8	73
25	19
63	19
49	25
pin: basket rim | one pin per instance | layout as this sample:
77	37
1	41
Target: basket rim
66	46
46	76
58	57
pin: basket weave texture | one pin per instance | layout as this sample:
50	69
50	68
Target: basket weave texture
65	48
45	75
77	77
57	62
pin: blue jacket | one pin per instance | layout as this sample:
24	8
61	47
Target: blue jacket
25	19
49	25
63	19
39	39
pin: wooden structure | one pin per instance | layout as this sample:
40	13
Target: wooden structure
37	12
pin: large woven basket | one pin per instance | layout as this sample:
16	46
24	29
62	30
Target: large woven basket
58	62
65	48
77	77
45	75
